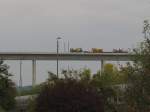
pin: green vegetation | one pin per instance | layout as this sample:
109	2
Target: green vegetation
57	91
69	95
7	89
2	110
111	75
28	90
137	93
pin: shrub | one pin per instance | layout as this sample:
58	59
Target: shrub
7	88
1	109
69	95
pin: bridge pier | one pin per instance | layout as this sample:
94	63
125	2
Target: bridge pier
20	77
102	65
33	72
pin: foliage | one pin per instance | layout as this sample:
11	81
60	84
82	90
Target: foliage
7	88
137	94
106	82
85	75
84	78
69	95
110	76
28	90
2	110
31	105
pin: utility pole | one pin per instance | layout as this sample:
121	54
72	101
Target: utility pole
68	47
64	47
58	38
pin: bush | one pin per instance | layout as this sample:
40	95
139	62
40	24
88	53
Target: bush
137	90
28	90
1	109
69	95
7	88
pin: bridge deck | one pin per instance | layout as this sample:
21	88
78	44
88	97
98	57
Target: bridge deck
65	56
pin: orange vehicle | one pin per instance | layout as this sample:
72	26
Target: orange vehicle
97	50
76	50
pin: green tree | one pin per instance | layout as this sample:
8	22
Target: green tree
85	74
106	82
7	88
111	75
69	95
85	79
137	95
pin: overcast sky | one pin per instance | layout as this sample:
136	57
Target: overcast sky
33	25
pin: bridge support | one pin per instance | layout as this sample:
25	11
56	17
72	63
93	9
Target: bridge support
33	72
20	79
102	65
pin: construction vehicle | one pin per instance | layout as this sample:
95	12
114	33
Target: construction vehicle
76	50
119	51
97	50
79	50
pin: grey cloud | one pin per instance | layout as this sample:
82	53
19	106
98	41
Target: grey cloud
96	21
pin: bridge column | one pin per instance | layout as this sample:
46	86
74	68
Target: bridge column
33	72
20	79
102	65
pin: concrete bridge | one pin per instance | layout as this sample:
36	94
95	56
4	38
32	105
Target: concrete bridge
35	56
